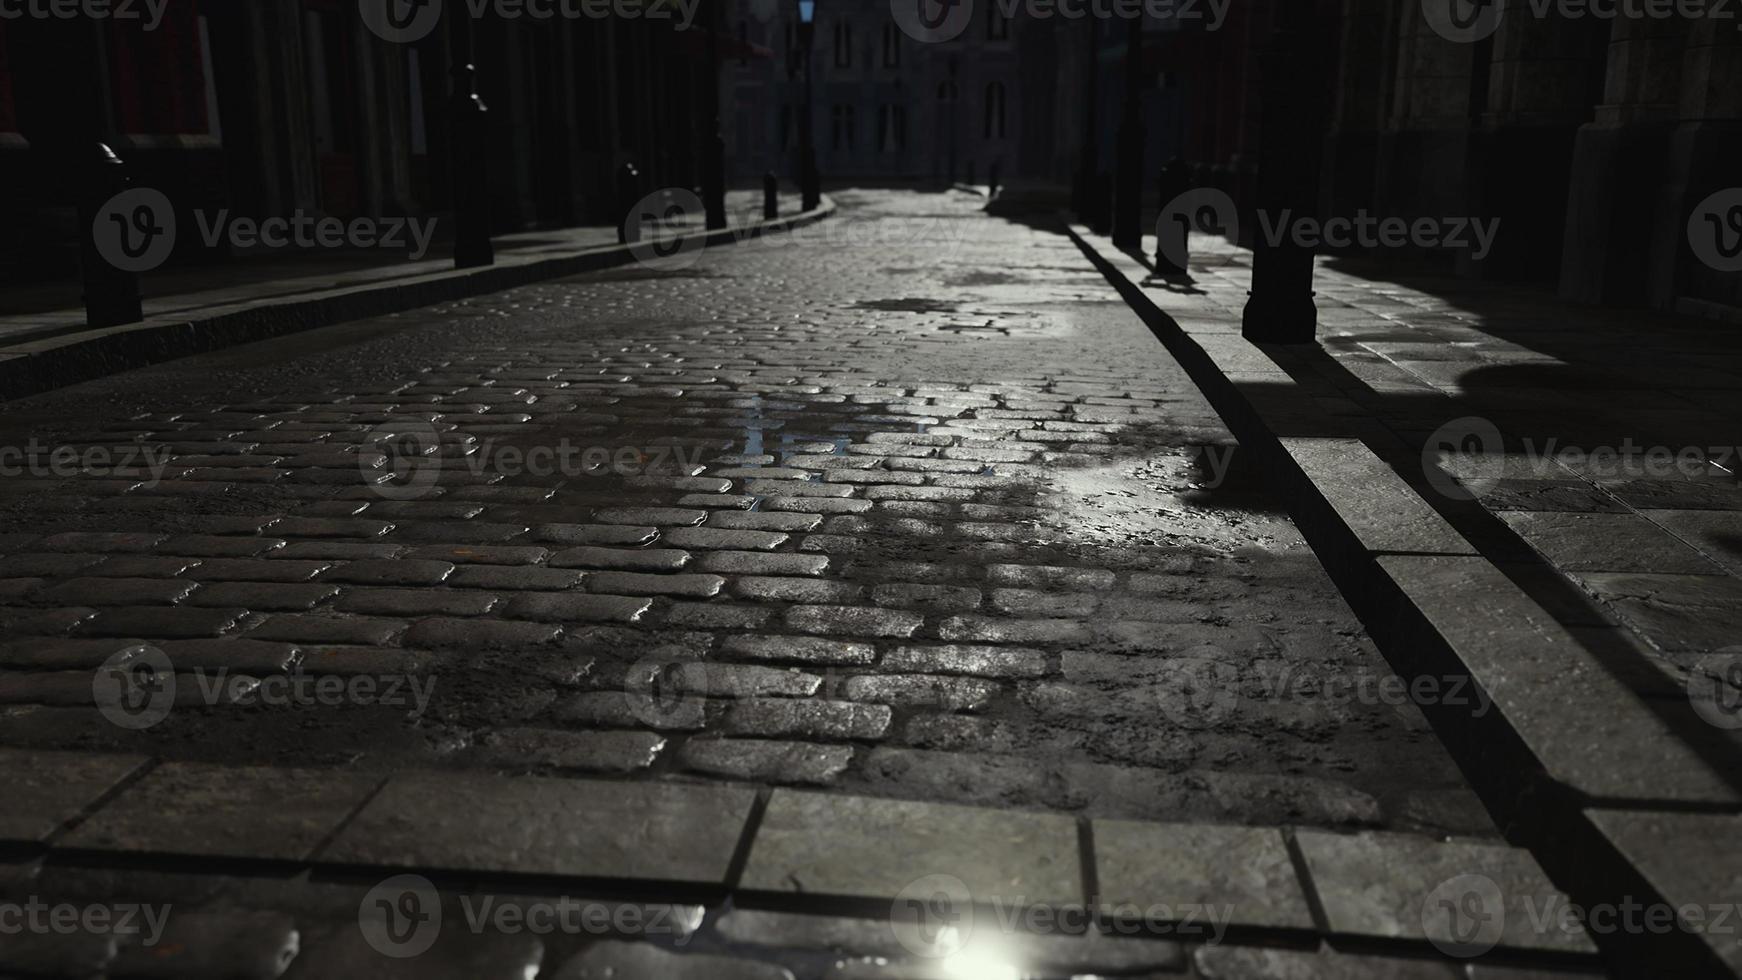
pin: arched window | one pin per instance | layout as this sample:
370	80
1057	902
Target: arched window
843	43
994	111
891	46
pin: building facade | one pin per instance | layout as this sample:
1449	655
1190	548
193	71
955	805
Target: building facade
273	107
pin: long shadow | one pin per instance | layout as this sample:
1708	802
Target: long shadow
1580	406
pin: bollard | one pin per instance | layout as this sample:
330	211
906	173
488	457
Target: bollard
810	183
628	195
992	181
714	184
472	247
111	294
1101	203
1176	179
970	173
770	196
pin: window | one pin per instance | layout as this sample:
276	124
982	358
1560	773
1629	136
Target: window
891	128
997	25
994	111
843	44
891	46
841	128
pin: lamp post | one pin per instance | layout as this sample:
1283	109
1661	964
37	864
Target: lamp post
714	150
470	139
1128	168
808	180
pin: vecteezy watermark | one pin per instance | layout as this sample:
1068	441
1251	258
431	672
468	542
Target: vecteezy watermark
138	688
136	230
1364	230
402	917
1204	210
1468	21
1467	915
1200	692
148	12
35	459
404	459
1464	459
1209	211
1467	457
938	917
665	231
933	21
1715	230
1715	688
35	917
409	21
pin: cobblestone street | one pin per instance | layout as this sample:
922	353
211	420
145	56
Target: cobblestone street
906	506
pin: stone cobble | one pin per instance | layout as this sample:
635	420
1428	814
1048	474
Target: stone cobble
941	525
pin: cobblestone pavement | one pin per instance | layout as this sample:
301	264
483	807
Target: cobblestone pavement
906	507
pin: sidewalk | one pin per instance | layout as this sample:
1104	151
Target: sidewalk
46	343
1542	495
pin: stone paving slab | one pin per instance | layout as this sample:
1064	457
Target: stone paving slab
681	834
1461	897
865	848
46	790
1245	873
221	811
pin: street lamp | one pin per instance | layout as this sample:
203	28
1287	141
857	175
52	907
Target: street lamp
807	164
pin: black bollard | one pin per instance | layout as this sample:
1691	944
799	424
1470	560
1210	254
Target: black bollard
628	195
111	294
472	246
714	184
770	196
1101	204
810	183
970	173
992	181
1172	231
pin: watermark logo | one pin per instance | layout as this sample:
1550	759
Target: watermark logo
410	21
1198	693
1464	916
666	693
662	229
932	21
135	230
401	917
35	917
412	448
149	13
1463	458
1715	230
135	688
1715	688
933	917
1204	210
401	21
1463	21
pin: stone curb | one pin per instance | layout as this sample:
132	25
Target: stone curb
30	367
1550	736
779	851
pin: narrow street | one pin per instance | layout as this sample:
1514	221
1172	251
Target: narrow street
907	505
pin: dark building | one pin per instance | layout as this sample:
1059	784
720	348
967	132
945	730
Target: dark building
271	107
